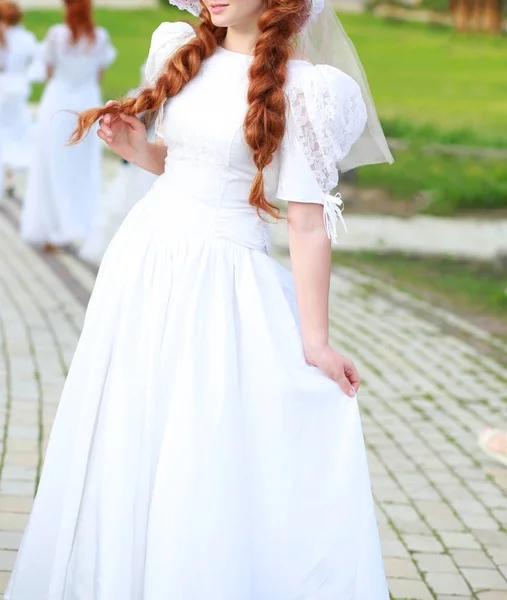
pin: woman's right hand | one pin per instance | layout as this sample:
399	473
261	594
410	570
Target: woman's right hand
125	135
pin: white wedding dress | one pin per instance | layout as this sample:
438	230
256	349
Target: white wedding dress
195	455
64	183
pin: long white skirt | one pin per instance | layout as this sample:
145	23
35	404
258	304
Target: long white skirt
195	455
64	183
16	124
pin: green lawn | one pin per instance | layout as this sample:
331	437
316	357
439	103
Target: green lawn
448	183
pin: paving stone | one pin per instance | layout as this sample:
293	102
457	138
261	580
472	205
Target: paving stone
471	558
17	488
400	568
4	580
492	539
10	521
10	540
394	549
485	579
446	597
15	504
435	563
423	543
406	588
460	540
447	583
479	522
492	595
7	558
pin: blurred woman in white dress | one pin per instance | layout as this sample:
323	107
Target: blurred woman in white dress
64	185
15	119
128	187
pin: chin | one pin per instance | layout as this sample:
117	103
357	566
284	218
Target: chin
220	20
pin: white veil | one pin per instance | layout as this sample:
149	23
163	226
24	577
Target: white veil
324	41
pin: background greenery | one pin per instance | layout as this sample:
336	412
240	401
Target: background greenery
430	85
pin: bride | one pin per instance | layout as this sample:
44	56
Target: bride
208	441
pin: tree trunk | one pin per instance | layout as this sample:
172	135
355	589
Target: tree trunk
493	16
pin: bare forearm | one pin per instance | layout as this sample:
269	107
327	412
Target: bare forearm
310	251
152	158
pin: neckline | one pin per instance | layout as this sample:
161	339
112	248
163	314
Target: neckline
250	56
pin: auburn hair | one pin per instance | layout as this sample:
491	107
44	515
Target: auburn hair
265	119
78	16
10	14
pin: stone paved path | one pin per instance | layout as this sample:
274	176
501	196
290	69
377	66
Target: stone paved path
430	382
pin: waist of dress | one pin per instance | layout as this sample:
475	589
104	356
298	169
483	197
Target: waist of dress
179	216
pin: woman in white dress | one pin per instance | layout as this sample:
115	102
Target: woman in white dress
64	183
208	442
15	117
130	185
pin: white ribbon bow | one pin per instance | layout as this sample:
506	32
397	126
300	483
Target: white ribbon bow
333	208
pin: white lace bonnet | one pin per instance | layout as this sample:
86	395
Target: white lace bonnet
324	41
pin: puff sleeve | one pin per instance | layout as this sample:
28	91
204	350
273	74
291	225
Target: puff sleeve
326	116
166	39
107	52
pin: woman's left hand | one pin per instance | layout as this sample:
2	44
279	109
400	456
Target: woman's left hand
336	366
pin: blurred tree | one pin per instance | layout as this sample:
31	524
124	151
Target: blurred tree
477	15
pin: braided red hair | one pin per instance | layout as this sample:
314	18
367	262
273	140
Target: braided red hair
78	16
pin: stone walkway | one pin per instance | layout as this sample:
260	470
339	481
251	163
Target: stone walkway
430	382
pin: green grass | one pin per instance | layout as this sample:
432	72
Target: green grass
450	183
476	291
432	83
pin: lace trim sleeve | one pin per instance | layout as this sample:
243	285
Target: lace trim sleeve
327	116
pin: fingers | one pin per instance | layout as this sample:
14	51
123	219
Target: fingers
103	136
352	375
345	385
348	378
134	122
104	131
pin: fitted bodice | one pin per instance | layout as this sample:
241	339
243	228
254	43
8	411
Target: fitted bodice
209	163
209	168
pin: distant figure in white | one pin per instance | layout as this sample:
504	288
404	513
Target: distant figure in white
64	185
130	185
18	50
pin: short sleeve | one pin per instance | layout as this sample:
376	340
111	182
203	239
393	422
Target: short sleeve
166	39
326	116
107	51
